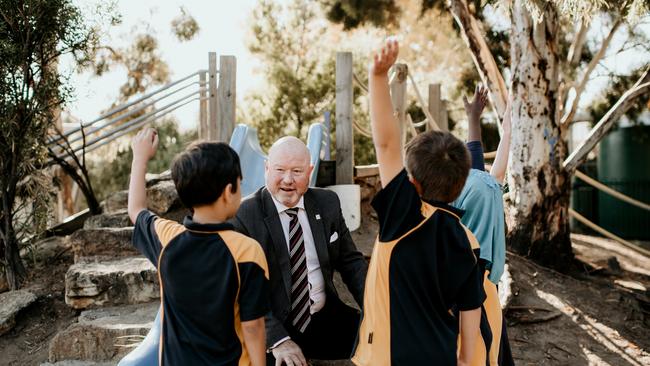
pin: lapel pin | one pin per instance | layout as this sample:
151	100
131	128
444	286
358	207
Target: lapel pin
317	216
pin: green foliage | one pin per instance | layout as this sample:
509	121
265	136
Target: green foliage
354	13
33	35
299	68
112	174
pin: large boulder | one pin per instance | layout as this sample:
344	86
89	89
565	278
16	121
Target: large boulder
11	303
123	281
116	219
103	242
117	201
162	197
102	335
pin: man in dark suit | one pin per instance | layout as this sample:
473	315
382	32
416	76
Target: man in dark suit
305	240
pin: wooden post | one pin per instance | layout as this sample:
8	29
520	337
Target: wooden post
227	97
344	136
398	96
444	116
212	97
436	107
203	106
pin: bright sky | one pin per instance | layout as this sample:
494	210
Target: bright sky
223	30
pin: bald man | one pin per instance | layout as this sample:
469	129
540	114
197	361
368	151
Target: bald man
305	240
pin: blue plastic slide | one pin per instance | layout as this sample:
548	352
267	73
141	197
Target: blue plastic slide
245	142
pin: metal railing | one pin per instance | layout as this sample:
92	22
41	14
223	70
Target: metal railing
131	115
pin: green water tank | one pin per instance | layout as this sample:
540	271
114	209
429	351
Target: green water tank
624	165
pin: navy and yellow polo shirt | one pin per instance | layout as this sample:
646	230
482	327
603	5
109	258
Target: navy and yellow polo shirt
211	279
422	272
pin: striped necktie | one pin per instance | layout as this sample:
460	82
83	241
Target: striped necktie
300	301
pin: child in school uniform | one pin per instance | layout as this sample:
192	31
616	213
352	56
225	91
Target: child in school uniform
482	201
423	287
213	280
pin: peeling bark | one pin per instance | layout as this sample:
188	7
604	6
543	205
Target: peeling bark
538	204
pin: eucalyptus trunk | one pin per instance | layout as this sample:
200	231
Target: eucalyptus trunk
538	202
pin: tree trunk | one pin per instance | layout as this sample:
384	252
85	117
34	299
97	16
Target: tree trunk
14	268
538	204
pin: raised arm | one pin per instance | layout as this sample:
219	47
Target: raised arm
384	124
500	165
474	111
144	146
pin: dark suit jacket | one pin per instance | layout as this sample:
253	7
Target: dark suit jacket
258	218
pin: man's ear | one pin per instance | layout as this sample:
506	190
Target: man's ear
311	169
416	184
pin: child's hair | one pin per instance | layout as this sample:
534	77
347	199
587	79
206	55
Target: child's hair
202	172
439	162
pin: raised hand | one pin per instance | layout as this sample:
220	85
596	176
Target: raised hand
145	144
475	108
385	58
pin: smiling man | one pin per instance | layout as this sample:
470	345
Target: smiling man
305	240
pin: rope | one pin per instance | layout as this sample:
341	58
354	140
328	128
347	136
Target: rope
361	130
608	234
596	184
359	83
432	122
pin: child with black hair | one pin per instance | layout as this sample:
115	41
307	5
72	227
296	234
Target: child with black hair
213	280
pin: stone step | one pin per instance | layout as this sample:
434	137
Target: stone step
78	363
105	242
161	198
92	284
12	303
102	335
116	219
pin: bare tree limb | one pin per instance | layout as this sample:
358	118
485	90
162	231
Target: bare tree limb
614	114
578	42
580	87
481	54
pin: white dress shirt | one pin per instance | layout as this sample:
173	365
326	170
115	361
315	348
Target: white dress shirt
314	273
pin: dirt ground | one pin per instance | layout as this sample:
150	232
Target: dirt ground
599	315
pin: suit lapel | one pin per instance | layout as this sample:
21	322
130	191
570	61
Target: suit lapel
318	232
274	225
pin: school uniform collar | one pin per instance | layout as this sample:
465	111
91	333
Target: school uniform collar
191	225
447	207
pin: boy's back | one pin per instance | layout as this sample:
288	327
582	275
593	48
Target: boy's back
422	272
211	280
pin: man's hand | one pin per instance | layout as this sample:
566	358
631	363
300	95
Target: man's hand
288	353
144	144
384	59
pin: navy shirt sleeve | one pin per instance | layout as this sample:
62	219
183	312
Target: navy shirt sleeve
145	238
398	208
476	152
472	294
253	292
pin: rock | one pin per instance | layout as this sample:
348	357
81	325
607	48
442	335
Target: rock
153	179
107	242
102	335
116	202
108	283
116	219
162	197
11	303
4	286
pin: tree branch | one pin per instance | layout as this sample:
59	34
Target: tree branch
614	114
481	54
580	88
